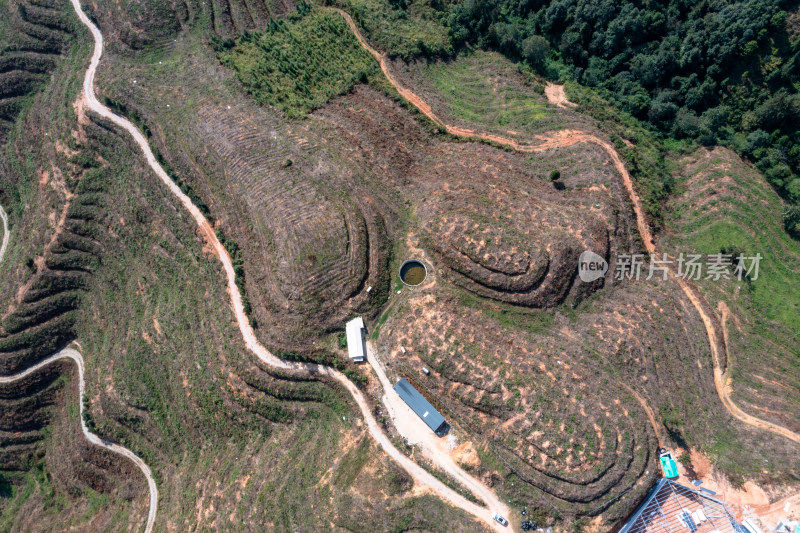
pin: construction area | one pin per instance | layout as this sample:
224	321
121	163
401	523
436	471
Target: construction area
674	508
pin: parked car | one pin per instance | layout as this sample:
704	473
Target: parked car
499	519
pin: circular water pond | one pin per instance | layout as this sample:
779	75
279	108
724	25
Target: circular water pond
413	272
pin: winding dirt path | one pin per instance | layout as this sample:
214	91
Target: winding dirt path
70	353
419	474
569	137
558	139
721	380
6	234
544	142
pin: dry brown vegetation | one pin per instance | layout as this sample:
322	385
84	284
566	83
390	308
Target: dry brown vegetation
366	154
229	442
545	375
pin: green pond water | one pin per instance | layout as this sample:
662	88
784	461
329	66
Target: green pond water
413	273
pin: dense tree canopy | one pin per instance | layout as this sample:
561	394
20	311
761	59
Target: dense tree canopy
710	70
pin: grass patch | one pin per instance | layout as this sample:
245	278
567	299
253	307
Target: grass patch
776	292
510	316
402	28
351	464
300	63
746	217
492	100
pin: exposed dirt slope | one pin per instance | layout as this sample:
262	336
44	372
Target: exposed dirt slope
569	137
555	95
417	472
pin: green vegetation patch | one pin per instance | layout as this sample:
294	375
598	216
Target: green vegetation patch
404	28
712	72
298	64
494	99
743	217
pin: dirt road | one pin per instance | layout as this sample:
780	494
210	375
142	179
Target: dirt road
6	234
71	353
543	142
721	381
564	138
419	474
416	432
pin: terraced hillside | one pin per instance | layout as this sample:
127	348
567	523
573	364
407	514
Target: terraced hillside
485	88
99	253
418	193
50	473
40	317
54	214
139	24
559	392
516	381
37	34
316	234
726	206
52	187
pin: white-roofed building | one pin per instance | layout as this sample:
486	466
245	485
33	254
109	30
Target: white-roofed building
356	340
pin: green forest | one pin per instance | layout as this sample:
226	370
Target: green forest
709	71
714	71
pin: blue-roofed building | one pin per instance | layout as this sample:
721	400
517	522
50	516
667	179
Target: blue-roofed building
421	406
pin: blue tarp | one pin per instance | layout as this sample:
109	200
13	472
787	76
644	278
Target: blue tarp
669	466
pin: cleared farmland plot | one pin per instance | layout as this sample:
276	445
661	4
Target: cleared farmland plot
325	181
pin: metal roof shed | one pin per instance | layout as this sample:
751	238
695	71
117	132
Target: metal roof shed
420	405
356	342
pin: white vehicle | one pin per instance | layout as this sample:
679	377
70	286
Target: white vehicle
499	519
